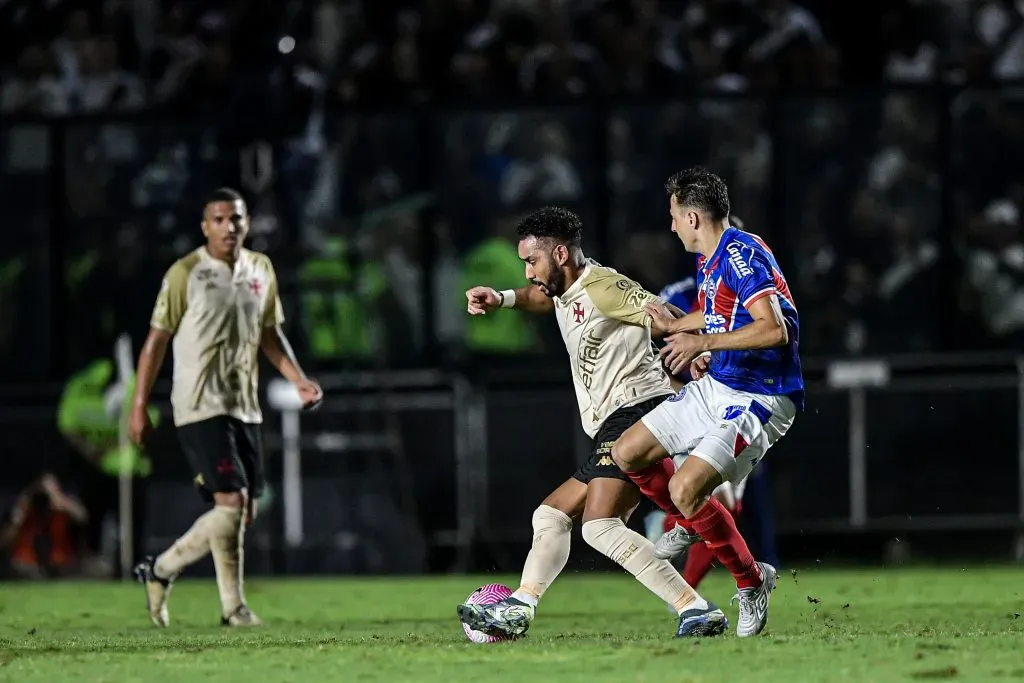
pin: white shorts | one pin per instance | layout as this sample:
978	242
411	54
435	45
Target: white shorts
730	430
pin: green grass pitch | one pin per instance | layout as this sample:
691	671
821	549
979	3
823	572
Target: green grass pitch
844	626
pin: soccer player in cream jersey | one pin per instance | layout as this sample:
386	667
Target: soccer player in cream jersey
618	378
220	305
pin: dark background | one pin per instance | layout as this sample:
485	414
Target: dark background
876	146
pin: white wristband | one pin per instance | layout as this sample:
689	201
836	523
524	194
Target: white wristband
508	298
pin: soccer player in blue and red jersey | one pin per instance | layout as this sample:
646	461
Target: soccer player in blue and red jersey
726	421
683	295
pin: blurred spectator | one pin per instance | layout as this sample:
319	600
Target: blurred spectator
35	87
913	36
38	534
994	254
999	28
540	171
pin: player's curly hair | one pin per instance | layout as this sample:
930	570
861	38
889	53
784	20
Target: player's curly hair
700	188
553	222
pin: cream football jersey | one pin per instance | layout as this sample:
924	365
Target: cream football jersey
217	316
608	336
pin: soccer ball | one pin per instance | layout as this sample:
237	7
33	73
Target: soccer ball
485	595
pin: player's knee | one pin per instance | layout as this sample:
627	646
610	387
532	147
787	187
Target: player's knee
230	499
630	452
548	520
685	492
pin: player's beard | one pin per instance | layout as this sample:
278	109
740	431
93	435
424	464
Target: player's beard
553	287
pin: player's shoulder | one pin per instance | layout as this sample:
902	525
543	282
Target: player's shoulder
181	270
742	253
602	278
258	258
752	242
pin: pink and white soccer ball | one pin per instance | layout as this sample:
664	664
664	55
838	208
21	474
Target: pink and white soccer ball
485	595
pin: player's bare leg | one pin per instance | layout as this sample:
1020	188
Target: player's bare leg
552	532
609	505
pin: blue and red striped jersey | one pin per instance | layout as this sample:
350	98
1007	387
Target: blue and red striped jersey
740	271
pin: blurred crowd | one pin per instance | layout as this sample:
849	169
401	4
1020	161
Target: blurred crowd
371	137
188	56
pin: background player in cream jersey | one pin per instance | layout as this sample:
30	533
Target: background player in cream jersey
220	304
618	377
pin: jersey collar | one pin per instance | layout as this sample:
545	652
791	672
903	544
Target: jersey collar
239	264
576	286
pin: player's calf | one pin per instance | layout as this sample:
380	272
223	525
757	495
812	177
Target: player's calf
635	554
227	532
548	554
158	575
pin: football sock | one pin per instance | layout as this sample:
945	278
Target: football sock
718	529
552	530
700	558
635	554
653	483
226	535
190	547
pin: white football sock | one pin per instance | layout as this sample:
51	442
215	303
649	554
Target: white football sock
635	554
547	557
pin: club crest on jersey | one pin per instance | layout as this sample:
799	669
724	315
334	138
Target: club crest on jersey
577	312
255	286
710	286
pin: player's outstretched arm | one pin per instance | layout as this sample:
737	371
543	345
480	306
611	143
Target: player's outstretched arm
279	352
483	300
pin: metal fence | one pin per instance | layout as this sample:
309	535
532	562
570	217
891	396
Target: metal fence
889	446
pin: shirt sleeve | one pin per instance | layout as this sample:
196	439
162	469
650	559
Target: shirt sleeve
273	311
172	300
620	298
749	274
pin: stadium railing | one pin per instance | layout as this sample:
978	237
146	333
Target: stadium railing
893	445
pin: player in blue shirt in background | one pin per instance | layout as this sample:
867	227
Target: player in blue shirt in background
725	422
750	494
